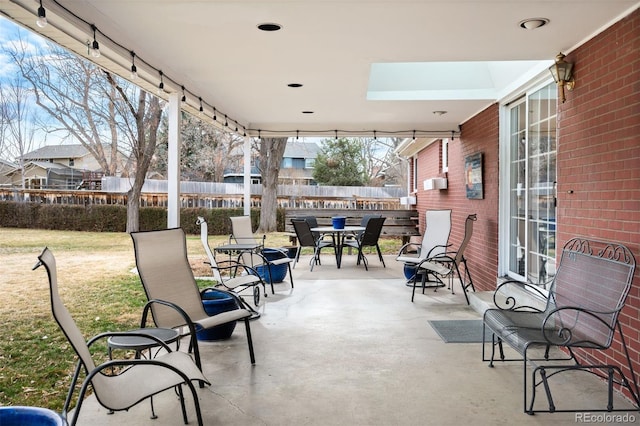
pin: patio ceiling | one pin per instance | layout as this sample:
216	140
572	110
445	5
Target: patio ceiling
364	65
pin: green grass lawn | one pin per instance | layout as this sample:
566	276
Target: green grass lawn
98	287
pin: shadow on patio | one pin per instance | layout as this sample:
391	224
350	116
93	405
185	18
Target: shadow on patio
347	347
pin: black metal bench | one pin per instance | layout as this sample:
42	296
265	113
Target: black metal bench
579	316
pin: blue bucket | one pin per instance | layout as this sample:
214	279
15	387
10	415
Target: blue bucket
215	302
29	416
338	222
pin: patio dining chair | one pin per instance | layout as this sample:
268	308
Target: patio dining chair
119	384
368	238
238	277
306	239
243	234
172	292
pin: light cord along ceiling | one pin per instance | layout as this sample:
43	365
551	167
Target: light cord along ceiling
191	102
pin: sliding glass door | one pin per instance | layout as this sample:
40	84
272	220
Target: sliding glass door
532	185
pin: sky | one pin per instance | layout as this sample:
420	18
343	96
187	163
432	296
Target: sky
8	70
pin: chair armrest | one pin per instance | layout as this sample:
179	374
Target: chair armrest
233	265
435	247
560	326
505	300
188	322
241	303
405	247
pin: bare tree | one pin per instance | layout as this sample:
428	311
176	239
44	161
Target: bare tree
74	93
143	135
381	164
269	161
18	122
102	112
206	151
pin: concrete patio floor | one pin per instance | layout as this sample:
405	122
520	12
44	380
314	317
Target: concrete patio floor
347	347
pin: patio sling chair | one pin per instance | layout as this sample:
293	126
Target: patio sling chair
363	222
238	276
137	380
454	261
306	239
243	234
434	242
368	238
172	292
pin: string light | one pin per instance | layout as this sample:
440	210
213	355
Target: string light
95	47
134	69
94	51
42	16
161	85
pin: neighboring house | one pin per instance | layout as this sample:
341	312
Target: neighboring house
296	167
538	172
5	168
58	166
297	163
238	176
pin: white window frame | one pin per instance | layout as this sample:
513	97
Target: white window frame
542	80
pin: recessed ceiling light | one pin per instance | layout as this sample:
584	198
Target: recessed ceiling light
307	112
269	26
439	112
533	23
294	85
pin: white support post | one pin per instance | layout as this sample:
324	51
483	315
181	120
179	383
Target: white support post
247	176
173	162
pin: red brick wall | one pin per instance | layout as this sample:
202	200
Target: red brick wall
598	168
599	155
479	134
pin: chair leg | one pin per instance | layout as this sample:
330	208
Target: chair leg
290	274
184	409
270	281
249	340
380	256
364	260
295	261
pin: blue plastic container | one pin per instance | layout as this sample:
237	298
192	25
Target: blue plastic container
29	416
410	271
338	222
215	302
277	271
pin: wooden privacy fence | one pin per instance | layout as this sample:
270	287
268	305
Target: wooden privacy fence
216	195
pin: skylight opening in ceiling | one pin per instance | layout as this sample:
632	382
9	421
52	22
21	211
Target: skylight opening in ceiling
406	81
